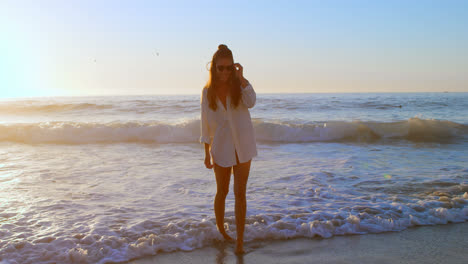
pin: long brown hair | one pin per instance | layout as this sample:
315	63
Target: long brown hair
213	83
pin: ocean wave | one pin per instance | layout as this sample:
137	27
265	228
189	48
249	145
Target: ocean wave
413	129
374	105
27	107
32	108
150	237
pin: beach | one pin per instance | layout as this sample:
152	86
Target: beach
359	150
423	244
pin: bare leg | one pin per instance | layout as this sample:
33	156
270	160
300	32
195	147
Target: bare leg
241	175
223	176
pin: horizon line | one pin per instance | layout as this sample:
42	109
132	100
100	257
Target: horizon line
173	94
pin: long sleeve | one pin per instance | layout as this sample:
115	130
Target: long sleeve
248	96
205	136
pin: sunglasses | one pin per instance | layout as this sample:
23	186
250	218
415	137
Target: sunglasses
227	67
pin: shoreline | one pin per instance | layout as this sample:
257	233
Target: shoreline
422	244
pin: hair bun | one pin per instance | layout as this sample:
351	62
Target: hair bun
222	46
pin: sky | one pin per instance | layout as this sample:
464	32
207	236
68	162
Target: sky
98	47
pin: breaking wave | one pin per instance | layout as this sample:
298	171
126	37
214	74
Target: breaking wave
413	129
151	237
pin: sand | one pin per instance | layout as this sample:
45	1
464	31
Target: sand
425	244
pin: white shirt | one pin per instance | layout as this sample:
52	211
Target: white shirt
229	130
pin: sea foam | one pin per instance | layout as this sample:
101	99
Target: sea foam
149	238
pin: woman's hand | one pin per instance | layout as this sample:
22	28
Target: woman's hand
239	71
240	74
208	164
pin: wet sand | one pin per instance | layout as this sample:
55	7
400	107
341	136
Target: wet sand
424	244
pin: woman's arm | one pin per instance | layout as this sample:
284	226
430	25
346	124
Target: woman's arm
205	132
248	94
244	83
208	164
207	150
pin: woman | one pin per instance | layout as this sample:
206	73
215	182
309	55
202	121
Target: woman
228	135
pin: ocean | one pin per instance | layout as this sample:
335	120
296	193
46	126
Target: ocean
114	178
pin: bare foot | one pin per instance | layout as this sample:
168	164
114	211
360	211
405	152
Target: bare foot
227	237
